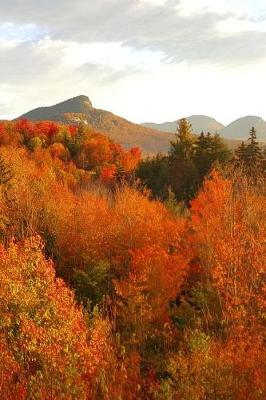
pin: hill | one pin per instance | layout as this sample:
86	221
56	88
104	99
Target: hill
150	138
232	133
240	128
80	109
199	123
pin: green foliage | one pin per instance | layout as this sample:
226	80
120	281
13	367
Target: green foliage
91	283
208	151
177	208
250	155
182	168
199	341
35	143
182	147
154	173
189	161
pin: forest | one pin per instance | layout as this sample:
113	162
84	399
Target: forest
127	277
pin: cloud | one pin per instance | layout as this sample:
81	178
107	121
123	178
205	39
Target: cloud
184	30
56	49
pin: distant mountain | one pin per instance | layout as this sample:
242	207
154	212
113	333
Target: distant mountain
199	123
80	109
240	128
79	104
237	130
150	139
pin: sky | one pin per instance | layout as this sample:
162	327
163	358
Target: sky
145	60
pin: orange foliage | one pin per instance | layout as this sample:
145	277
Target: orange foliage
141	265
228	218
107	174
235	256
43	334
154	279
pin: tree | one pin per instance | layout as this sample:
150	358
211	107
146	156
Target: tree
241	152
183	146
43	334
35	143
253	154
154	173
250	156
209	150
182	167
233	262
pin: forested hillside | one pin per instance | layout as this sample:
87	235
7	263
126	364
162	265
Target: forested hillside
127	278
148	137
80	110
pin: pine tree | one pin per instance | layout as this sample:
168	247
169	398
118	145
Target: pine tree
253	150
181	164
202	154
208	151
241	152
154	173
184	144
250	156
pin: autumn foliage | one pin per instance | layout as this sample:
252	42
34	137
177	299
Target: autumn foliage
107	294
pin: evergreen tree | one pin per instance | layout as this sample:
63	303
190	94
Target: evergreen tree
183	146
253	157
154	173
208	151
188	162
202	154
250	156
220	151
181	165
241	153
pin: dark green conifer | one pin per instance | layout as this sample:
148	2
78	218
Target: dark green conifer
181	165
253	158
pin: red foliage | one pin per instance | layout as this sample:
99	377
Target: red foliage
108	173
46	129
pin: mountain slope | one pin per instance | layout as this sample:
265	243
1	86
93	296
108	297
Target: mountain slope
199	123
240	128
128	134
150	140
79	104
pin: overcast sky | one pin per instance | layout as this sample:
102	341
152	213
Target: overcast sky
145	60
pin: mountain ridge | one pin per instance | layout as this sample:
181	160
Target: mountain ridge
199	123
240	128
150	140
79	109
236	130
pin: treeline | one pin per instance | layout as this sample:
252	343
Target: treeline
107	294
86	151
191	159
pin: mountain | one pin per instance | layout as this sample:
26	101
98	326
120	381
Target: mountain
80	109
240	128
237	130
199	123
79	104
150	139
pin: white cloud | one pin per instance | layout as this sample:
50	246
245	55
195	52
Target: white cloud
142	59
111	54
222	7
233	26
153	2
